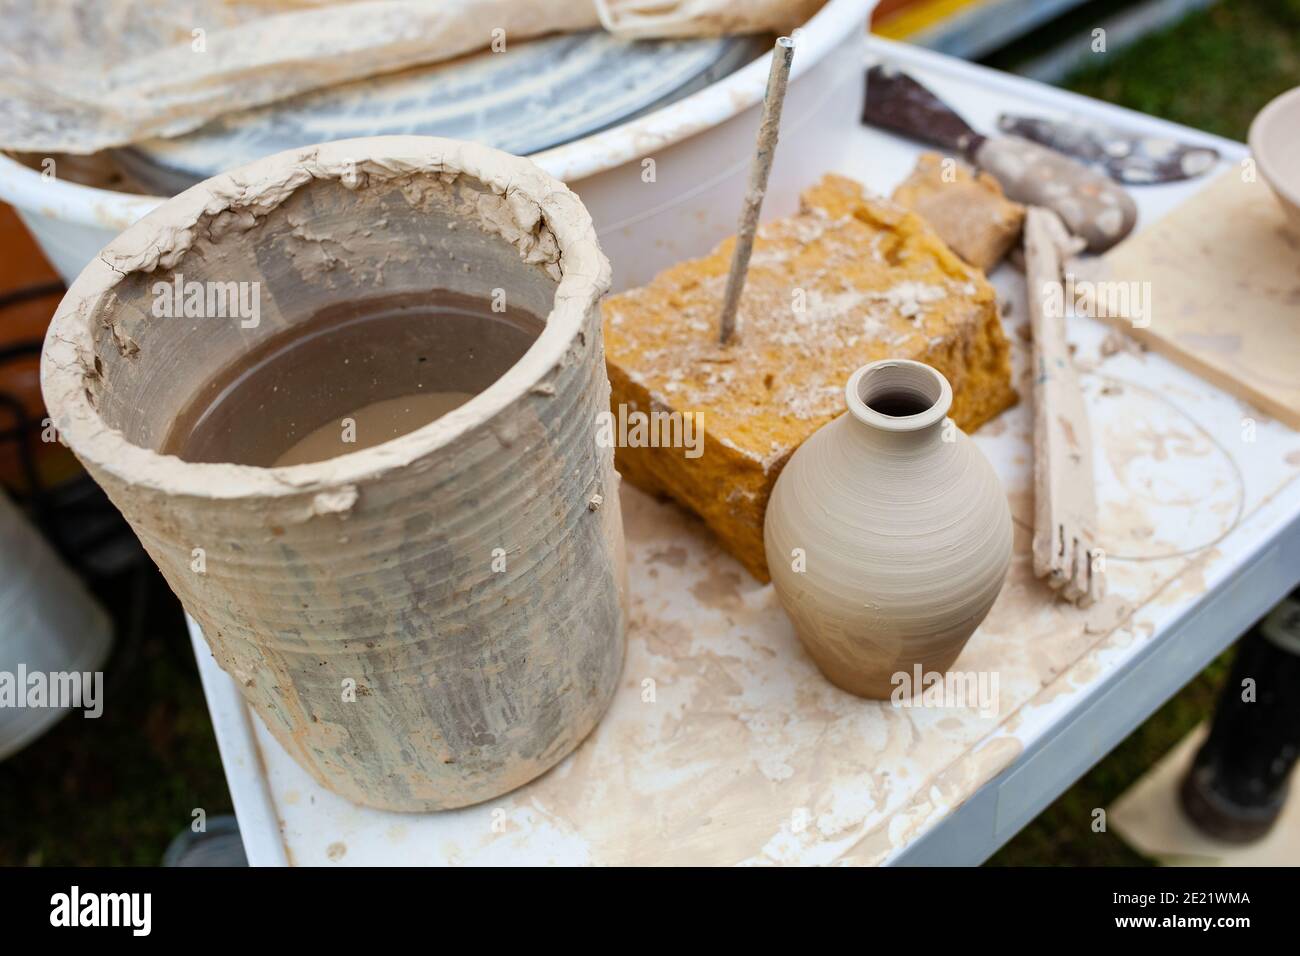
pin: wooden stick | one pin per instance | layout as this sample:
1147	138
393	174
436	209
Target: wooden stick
759	169
1065	503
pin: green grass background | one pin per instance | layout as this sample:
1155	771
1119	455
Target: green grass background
115	790
1214	70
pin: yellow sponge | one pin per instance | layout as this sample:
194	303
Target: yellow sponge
849	279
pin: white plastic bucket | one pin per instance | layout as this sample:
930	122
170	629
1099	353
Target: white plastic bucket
700	147
51	625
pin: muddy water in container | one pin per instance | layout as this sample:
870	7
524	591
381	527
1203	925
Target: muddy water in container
355	375
379	493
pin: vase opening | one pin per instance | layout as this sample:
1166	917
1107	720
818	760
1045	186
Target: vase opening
898	404
898	395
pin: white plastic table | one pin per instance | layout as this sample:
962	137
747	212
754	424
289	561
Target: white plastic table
743	753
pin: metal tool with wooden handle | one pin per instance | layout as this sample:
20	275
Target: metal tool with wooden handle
1065	503
1092	206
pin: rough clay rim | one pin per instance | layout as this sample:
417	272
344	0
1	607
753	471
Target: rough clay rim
897	423
1274	111
265	184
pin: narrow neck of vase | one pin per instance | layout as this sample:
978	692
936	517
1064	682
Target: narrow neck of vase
899	400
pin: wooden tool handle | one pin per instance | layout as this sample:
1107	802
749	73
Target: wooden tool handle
769	128
1065	505
1094	207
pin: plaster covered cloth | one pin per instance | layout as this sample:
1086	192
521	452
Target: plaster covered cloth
77	76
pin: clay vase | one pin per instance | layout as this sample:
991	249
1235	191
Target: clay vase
424	624
888	533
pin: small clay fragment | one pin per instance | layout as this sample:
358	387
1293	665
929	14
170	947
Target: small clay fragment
967	209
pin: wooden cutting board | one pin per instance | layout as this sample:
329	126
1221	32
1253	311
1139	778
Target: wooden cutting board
1224	292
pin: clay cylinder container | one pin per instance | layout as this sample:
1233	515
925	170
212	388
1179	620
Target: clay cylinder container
888	533
423	624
